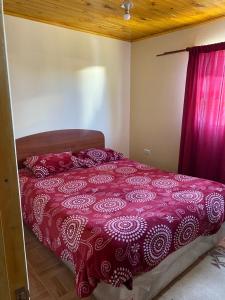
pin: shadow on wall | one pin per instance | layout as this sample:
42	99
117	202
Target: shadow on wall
91	91
67	79
74	99
58	90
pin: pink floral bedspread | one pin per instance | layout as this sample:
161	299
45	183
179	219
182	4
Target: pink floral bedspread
118	219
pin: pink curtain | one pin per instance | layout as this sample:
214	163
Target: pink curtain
202	149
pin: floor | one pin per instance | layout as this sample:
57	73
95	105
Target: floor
46	273
206	281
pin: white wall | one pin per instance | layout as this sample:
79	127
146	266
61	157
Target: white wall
66	79
157	91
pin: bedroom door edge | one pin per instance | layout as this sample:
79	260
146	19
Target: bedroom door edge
13	268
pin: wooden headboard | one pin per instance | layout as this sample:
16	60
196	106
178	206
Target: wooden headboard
58	141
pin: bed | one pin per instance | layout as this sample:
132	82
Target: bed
125	229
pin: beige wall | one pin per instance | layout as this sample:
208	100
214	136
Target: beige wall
66	79
157	92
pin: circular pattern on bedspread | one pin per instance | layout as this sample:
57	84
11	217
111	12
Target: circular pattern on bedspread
109	205
126	170
49	183
99	179
157	244
143	167
107	167
215	207
138	180
67	258
188	196
164	183
83	288
97	154
37	231
120	276
39	204
30	161
79	201
72	229
22	180
72	186
140	196
180	177
186	231
126	228
40	171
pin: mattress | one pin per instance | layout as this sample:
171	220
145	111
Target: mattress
117	220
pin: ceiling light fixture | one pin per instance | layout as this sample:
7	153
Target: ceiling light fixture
127	5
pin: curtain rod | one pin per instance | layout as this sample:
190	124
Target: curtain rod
172	52
215	47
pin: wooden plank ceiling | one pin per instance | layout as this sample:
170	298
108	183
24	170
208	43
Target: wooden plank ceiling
105	17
